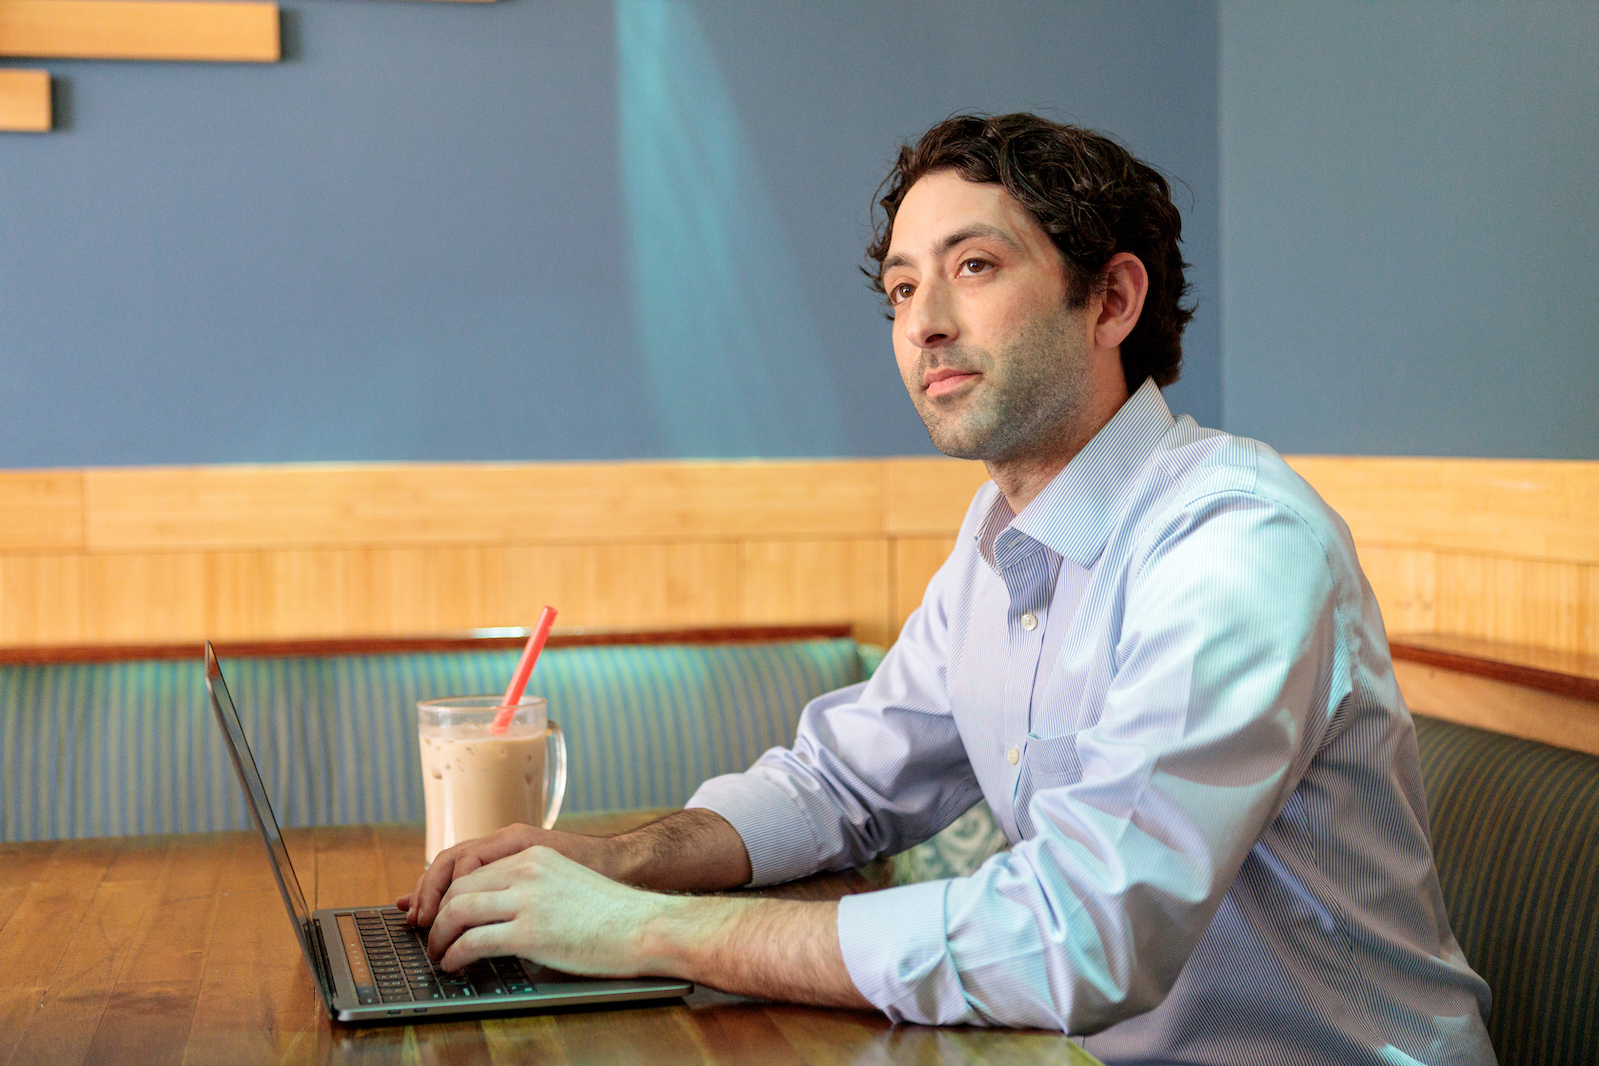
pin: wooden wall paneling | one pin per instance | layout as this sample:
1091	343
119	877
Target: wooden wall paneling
1590	610
817	581
239	590
41	599
670	584
433	589
1405	581
228	508
129	597
41	510
334	550
663	584
25	101
324	592
928	495
1538	509
387	590
565	575
1517	601
916	560
205	30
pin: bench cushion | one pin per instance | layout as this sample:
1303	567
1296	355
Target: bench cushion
107	749
1515	830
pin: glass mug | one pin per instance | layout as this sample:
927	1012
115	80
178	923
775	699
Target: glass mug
474	782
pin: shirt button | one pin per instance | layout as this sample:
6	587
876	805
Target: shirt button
1012	755
1029	623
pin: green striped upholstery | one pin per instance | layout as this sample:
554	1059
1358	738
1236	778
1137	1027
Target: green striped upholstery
963	846
107	749
1515	829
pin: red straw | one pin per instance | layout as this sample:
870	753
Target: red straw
524	670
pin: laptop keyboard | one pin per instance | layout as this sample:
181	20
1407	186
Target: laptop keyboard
396	952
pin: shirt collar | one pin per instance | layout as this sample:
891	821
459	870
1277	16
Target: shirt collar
1075	513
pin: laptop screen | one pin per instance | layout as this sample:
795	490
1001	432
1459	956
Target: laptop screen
260	806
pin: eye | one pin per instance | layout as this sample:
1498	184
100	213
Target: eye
975	266
898	294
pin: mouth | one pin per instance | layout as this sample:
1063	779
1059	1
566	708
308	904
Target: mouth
946	380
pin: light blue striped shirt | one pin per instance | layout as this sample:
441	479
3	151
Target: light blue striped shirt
1170	680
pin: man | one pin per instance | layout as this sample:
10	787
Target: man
1151	650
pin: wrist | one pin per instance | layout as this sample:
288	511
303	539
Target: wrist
672	935
603	855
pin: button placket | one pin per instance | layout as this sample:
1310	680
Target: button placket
1026	571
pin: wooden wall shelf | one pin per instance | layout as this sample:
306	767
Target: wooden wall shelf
219	31
1562	673
25	101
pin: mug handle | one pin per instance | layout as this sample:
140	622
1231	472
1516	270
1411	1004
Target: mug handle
554	775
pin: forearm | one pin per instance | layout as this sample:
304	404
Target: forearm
688	851
771	949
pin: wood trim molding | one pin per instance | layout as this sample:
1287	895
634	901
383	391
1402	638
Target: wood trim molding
260	649
25	101
227	31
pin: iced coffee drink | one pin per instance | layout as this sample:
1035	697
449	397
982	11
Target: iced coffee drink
474	782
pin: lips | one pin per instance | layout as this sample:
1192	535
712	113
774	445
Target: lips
945	380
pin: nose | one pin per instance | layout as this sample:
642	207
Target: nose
929	316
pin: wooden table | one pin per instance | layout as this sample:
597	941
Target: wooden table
176	949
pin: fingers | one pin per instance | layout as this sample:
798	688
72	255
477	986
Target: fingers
454	863
430	888
468	910
481	942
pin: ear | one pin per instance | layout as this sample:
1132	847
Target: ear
1126	285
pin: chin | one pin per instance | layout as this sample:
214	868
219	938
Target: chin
957	446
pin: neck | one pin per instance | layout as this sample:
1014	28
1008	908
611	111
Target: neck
1021	478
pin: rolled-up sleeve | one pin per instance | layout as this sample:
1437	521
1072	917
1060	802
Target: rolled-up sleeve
1225	661
874	769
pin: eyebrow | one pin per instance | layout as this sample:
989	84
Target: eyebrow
960	236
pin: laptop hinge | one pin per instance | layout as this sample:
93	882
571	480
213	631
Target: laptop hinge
324	969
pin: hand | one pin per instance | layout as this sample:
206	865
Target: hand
421	904
543	906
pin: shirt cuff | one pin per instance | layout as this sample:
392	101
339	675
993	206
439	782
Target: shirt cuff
781	844
897	953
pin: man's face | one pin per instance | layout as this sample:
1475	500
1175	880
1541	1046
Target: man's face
994	359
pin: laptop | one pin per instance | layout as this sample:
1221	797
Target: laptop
370	965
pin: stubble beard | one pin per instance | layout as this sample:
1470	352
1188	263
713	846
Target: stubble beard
1029	401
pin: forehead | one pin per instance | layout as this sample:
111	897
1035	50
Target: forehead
942	204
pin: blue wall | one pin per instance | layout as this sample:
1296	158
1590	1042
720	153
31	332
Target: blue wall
532	229
1410	246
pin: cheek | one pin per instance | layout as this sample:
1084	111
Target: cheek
906	354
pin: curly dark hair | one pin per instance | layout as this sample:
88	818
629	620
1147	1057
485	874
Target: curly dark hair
1090	195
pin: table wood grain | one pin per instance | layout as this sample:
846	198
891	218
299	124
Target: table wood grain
176	950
